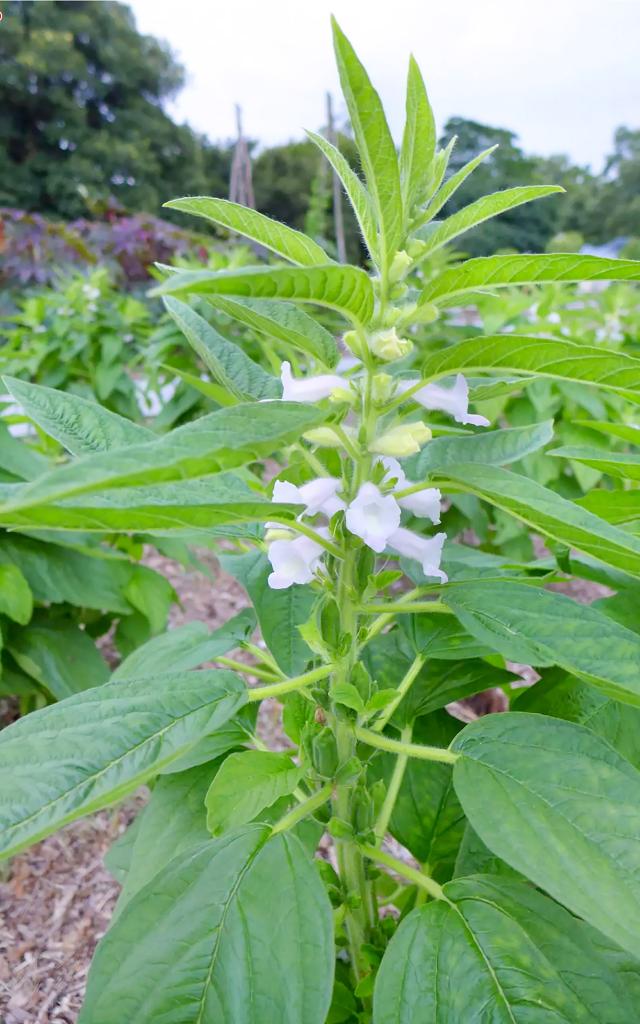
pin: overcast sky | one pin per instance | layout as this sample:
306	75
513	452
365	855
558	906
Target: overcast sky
561	73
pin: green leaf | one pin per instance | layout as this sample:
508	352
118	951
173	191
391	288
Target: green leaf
625	431
481	210
280	612
560	805
79	755
236	733
356	192
532	626
186	647
619	464
441	682
228	437
418	141
514	269
622	508
193	504
345	289
493	448
173	820
16	599
550	514
291	245
17	458
427	817
500	952
80	425
227	363
440	637
64	659
541	357
563	696
205	387
284	322
248	782
244	906
443	195
375	144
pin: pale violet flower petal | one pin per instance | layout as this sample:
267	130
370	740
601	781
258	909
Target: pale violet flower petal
453	400
373	516
426	503
308	389
394	471
426	550
293	561
317	495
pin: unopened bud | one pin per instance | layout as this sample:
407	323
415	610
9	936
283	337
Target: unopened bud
278	533
326	437
388	345
416	248
341	395
382	387
353	343
400	441
425	313
399	266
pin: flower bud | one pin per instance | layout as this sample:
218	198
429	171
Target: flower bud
353	343
324	437
400	441
278	533
415	248
399	266
341	395
382	387
388	345
426	313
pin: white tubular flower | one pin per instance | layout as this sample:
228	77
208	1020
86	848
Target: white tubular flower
394	471
453	400
426	550
373	517
308	389
293	561
317	495
426	503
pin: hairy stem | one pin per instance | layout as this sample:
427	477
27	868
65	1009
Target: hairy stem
424	753
304	809
288	685
382	824
405	871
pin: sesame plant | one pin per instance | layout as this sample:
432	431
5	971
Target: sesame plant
261	885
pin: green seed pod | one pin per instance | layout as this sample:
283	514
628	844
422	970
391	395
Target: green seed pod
324	753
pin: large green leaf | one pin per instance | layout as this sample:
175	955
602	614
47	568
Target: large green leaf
80	425
418	141
550	514
247	783
17	458
343	288
186	647
63	659
87	751
237	929
536	627
228	437
427	817
501	271
227	363
497	952
622	508
279	612
541	357
620	464
375	144
483	209
285	241
493	447
173	820
563	696
560	805
192	505
356	192
284	322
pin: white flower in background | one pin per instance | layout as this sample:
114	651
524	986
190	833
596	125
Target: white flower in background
293	561
373	516
319	495
453	400
90	291
406	439
426	550
308	389
426	503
